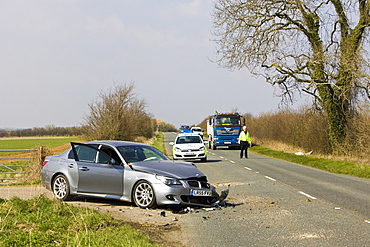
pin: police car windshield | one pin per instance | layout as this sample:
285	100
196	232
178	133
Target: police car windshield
188	139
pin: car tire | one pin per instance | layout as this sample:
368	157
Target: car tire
61	188
143	195
204	159
214	146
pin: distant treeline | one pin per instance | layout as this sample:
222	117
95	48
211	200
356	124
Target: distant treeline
67	131
43	131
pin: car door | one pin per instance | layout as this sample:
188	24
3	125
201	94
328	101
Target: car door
98	172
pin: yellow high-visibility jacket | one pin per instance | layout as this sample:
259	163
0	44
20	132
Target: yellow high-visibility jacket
244	137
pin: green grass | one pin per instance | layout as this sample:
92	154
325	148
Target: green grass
33	143
159	142
43	222
340	167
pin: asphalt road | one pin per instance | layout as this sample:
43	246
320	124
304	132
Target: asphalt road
277	203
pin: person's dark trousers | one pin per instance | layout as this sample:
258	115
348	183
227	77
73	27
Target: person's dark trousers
244	147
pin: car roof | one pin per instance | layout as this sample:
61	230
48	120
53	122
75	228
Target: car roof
187	134
116	143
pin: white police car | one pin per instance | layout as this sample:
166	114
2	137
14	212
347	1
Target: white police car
189	146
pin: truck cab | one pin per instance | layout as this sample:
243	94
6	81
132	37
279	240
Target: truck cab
223	129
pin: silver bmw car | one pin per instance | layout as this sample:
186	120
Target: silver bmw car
126	171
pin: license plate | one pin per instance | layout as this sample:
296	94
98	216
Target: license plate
200	193
227	142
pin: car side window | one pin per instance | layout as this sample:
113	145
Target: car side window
71	155
86	153
106	154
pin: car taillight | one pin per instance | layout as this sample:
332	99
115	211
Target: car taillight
44	163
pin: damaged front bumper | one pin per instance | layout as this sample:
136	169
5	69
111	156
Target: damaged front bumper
192	193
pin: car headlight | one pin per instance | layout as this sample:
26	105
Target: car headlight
168	181
201	149
177	149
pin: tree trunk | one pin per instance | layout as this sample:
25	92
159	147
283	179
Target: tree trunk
337	113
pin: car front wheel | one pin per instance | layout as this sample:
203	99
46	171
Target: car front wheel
143	195
61	188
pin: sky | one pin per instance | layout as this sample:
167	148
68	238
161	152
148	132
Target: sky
56	56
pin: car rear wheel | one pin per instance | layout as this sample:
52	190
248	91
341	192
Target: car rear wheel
143	195
61	188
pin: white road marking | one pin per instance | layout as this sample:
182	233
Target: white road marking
221	157
367	221
232	161
307	195
248	168
270	178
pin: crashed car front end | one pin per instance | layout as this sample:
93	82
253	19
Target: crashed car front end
190	192
177	183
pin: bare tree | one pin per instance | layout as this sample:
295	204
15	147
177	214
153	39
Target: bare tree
118	115
310	46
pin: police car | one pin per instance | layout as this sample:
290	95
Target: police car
189	146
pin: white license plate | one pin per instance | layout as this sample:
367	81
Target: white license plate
227	142
200	192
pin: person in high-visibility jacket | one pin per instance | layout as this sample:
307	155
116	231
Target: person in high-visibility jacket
244	141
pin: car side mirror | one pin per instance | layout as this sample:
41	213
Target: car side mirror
171	143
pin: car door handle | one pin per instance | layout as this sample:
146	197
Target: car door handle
84	168
70	166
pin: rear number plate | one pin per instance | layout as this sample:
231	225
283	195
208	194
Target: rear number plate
200	193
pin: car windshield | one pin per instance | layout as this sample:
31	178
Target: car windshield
134	154
188	139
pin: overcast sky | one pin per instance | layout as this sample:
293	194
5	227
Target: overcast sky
57	55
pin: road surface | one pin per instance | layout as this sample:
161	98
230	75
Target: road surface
278	203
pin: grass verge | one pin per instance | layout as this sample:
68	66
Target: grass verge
43	222
340	167
159	142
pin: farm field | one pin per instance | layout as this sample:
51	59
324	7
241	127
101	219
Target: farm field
15	163
33	143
